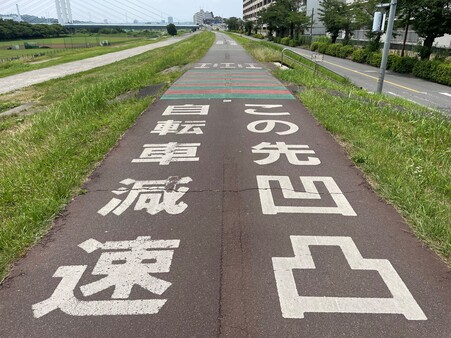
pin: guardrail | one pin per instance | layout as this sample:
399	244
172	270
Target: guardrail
312	64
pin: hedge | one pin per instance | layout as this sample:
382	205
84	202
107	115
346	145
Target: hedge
333	49
375	59
322	47
285	41
359	55
345	51
403	64
433	70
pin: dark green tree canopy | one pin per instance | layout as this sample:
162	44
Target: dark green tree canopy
172	30
285	18
11	30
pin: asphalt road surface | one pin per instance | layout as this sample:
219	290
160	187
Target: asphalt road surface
409	87
227	211
426	93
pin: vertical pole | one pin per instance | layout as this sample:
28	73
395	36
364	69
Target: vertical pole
311	24
388	35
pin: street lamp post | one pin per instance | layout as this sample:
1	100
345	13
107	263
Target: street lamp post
388	36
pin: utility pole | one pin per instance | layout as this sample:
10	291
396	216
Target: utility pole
311	24
388	36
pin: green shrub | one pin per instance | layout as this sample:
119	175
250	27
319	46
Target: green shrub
314	46
293	43
359	55
333	49
391	59
285	41
323	39
258	36
345	51
322	47
434	71
443	74
403	64
374	59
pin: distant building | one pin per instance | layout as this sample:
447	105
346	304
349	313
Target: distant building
170	19
201	16
13	17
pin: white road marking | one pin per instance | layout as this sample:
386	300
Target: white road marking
294	305
447	94
269	207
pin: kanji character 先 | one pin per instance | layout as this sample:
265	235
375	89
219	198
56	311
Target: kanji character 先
289	150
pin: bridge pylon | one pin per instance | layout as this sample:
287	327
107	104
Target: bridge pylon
63	11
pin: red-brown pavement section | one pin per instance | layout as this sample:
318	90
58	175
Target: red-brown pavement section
230	215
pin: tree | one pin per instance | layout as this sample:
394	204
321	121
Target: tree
284	17
172	30
233	24
431	19
248	25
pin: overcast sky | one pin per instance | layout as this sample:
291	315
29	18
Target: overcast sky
122	10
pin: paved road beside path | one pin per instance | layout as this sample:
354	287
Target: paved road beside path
14	82
228	211
425	93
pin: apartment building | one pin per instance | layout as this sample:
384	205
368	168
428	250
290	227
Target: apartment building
201	16
251	8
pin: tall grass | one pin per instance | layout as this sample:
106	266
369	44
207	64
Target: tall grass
45	159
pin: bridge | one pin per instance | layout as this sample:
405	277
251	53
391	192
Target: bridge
128	25
136	14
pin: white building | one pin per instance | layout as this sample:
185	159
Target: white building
202	15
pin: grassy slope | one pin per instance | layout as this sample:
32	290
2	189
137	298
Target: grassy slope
45	158
404	149
20	66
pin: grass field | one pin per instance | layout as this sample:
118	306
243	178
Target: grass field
75	39
403	148
57	56
45	158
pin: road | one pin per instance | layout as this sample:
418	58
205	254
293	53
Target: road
227	211
425	93
22	80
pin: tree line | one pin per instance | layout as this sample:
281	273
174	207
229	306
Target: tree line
430	19
13	30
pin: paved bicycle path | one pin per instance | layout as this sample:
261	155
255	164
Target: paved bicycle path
14	82
225	212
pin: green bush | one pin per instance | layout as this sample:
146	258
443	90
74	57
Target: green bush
374	59
323	39
345	51
322	47
258	36
333	49
285	41
293	43
359	55
391	59
314	46
433	70
443	74
403	64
